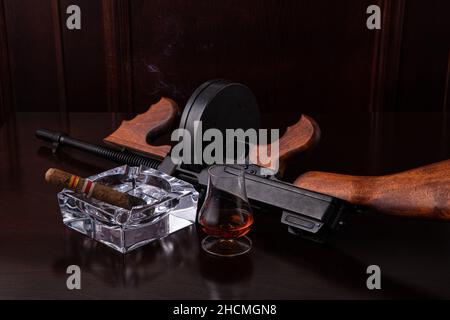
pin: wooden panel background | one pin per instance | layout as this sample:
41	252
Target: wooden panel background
32	54
5	81
297	56
84	58
424	57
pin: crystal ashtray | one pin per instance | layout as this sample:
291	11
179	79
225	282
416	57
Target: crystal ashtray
169	205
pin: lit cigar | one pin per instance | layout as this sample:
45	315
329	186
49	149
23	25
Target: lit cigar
91	189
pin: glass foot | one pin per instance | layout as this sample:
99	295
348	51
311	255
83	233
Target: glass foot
226	247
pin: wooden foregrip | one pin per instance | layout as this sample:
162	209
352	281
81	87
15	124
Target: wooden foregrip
299	137
132	134
423	192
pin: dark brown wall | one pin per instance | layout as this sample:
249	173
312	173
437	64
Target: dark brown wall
5	83
293	54
84	58
32	54
306	55
424	63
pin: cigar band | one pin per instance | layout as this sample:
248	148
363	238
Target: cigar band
88	187
73	181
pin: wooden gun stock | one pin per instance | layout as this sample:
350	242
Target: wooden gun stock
423	192
135	133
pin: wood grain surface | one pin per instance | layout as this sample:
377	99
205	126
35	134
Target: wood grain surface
133	134
301	136
422	193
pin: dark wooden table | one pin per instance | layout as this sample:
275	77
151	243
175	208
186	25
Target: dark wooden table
36	248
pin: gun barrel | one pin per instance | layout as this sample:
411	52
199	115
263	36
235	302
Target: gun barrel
59	139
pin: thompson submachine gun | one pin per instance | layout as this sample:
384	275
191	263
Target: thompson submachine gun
312	207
